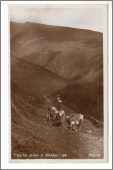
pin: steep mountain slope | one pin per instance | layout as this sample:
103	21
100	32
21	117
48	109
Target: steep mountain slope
45	61
65	51
31	134
35	138
34	79
73	54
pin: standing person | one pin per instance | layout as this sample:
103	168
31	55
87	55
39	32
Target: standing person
60	109
59	102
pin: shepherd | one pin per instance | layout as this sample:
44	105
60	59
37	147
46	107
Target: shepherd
59	102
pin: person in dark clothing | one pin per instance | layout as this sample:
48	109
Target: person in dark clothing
59	102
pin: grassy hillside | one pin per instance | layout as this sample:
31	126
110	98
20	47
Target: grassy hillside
65	51
75	55
45	61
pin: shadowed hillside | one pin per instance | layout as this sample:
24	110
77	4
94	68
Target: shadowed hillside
49	60
73	54
65	51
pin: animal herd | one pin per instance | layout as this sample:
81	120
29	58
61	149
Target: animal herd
59	117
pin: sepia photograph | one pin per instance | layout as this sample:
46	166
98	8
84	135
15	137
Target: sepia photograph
57	81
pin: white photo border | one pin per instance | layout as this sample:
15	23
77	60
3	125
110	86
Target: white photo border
6	103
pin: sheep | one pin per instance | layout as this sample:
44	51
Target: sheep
74	121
